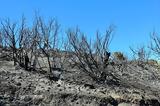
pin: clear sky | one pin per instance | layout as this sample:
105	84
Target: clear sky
134	19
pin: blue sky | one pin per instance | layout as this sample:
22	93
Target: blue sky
134	19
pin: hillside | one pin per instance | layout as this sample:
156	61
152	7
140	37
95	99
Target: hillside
139	86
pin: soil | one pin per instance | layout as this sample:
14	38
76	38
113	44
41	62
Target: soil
139	86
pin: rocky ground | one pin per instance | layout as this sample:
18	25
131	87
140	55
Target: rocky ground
139	86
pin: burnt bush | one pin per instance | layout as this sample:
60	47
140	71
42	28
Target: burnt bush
91	57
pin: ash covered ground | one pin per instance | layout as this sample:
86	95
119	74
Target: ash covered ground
139	85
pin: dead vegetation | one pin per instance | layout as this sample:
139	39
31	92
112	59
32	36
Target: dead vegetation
92	58
41	50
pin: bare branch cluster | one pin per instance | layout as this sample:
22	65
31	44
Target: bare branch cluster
155	43
141	54
30	43
91	57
